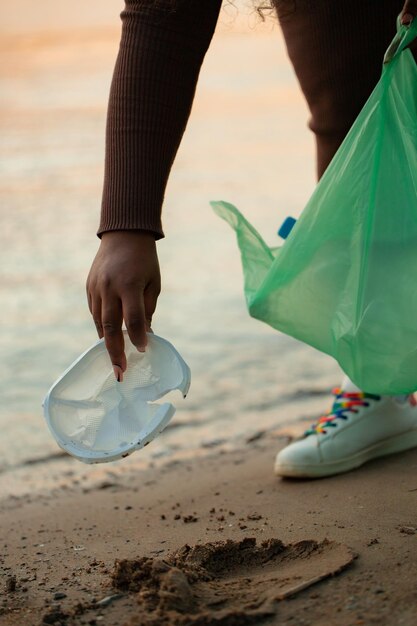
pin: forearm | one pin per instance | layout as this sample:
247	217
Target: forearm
154	81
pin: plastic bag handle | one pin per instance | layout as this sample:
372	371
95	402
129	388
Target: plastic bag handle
405	35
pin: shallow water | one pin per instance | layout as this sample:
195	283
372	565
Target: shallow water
246	142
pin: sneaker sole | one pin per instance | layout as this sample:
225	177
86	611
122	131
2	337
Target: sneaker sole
399	443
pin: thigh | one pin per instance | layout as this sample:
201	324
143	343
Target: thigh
336	48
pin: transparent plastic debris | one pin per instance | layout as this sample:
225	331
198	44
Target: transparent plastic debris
97	419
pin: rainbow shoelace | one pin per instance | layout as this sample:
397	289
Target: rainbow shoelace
344	402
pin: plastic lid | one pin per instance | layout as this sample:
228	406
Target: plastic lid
97	419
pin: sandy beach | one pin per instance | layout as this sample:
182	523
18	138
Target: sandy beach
194	530
114	554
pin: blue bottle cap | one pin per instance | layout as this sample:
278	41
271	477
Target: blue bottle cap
286	227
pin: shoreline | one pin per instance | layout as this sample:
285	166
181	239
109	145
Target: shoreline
59	552
58	473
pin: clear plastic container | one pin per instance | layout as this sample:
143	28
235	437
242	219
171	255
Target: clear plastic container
97	419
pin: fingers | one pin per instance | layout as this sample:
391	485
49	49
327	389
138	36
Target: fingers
89	299
108	321
124	283
409	12
150	298
135	320
138	308
111	320
95	309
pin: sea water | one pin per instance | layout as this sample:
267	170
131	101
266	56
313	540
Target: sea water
246	142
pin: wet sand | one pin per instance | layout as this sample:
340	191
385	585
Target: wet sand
115	555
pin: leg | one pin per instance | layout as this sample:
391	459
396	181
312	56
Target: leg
336	48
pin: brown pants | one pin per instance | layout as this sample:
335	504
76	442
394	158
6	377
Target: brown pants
336	48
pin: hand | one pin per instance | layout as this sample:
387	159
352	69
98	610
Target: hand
409	12
123	284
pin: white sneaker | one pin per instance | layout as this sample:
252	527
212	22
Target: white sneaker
359	427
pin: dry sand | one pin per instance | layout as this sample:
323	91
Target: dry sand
217	541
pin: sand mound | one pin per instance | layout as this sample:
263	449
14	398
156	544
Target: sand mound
229	583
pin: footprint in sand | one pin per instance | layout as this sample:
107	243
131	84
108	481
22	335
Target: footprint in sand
228	583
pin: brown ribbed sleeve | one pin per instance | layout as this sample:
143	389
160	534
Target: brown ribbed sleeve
162	47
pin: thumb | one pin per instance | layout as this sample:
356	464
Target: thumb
409	12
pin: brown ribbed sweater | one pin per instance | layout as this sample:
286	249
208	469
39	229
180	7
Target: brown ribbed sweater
336	49
162	47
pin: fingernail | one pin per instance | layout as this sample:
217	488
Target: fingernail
141	348
118	372
407	19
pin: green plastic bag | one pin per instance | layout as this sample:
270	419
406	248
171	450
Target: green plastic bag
345	279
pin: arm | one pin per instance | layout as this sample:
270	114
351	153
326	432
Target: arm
161	51
154	82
